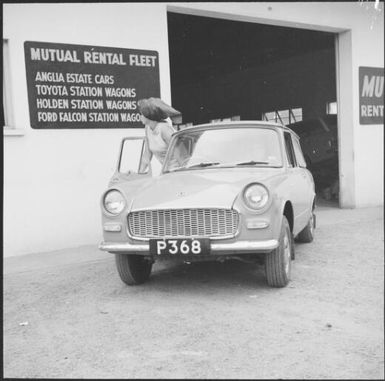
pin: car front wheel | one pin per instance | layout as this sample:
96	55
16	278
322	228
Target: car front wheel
278	262
133	269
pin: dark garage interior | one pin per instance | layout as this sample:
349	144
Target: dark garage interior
230	70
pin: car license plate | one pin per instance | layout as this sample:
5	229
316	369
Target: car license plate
180	246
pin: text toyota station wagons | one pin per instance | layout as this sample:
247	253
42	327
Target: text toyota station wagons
230	190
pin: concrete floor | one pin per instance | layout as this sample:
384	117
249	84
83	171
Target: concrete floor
67	314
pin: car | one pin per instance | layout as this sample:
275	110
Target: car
318	139
231	190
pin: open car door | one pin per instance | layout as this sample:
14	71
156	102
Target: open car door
130	159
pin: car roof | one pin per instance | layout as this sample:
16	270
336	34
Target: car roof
242	123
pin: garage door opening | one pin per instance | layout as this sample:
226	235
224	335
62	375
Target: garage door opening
230	70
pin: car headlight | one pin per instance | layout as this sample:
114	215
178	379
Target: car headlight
255	196
114	202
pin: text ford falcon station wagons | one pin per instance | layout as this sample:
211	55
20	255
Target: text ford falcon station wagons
230	190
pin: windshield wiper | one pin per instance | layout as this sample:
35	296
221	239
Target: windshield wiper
221	165
252	162
202	165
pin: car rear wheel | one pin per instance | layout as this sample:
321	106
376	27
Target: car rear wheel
307	234
133	269
278	262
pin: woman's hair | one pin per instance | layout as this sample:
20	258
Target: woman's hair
155	109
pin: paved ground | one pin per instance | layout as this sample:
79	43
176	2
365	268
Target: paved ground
67	314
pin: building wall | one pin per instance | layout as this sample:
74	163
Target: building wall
53	179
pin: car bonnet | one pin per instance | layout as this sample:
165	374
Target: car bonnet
208	188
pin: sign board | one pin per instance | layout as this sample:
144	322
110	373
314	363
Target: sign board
371	95
77	86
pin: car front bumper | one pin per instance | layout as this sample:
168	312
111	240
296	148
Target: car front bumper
222	248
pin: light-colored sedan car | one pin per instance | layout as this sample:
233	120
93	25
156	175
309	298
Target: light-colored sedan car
232	190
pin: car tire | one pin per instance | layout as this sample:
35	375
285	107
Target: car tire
307	234
133	269
278	262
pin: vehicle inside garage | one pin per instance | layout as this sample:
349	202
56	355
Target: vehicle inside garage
231	70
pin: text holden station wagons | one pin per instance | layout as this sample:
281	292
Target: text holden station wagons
230	190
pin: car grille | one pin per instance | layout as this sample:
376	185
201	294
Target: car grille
183	223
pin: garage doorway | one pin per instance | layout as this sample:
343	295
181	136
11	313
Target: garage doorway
230	70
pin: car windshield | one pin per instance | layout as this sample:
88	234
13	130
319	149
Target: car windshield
224	147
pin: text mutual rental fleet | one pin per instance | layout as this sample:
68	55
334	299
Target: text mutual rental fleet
61	55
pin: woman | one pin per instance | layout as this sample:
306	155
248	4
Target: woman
155	115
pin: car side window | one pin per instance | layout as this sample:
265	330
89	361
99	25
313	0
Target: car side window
298	153
131	155
289	149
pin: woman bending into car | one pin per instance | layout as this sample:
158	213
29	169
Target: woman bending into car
155	115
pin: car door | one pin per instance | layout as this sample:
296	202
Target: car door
305	173
129	160
299	193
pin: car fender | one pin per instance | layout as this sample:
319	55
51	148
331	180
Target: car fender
281	195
